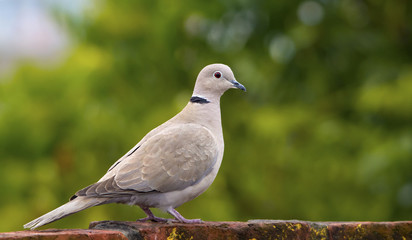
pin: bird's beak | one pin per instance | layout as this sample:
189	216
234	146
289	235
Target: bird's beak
236	84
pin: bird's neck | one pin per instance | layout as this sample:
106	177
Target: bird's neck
205	112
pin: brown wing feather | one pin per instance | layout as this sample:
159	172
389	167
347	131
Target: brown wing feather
107	188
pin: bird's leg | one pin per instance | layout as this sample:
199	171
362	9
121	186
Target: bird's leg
150	216
180	218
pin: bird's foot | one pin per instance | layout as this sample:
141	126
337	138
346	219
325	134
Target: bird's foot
180	218
192	220
151	217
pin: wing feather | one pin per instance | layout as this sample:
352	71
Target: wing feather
174	159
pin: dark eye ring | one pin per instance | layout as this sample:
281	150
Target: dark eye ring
217	74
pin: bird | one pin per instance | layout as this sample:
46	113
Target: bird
172	164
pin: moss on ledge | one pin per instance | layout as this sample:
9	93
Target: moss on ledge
253	229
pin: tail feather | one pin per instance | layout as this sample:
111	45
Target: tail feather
76	205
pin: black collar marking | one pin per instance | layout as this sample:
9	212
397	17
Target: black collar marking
196	99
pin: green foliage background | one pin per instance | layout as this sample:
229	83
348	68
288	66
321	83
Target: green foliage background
324	132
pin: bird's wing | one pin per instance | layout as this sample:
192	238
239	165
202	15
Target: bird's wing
173	159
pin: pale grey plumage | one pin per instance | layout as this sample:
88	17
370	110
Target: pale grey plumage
179	156
172	164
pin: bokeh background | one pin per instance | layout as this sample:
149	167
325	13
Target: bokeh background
324	132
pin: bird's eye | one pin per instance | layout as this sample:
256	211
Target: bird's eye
217	74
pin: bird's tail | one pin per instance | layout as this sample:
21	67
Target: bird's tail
76	205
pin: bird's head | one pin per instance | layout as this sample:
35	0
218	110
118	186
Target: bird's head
213	80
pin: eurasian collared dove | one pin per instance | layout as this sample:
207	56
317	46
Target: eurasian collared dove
174	163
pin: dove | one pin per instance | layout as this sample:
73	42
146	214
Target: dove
173	164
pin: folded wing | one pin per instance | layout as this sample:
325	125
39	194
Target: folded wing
173	159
